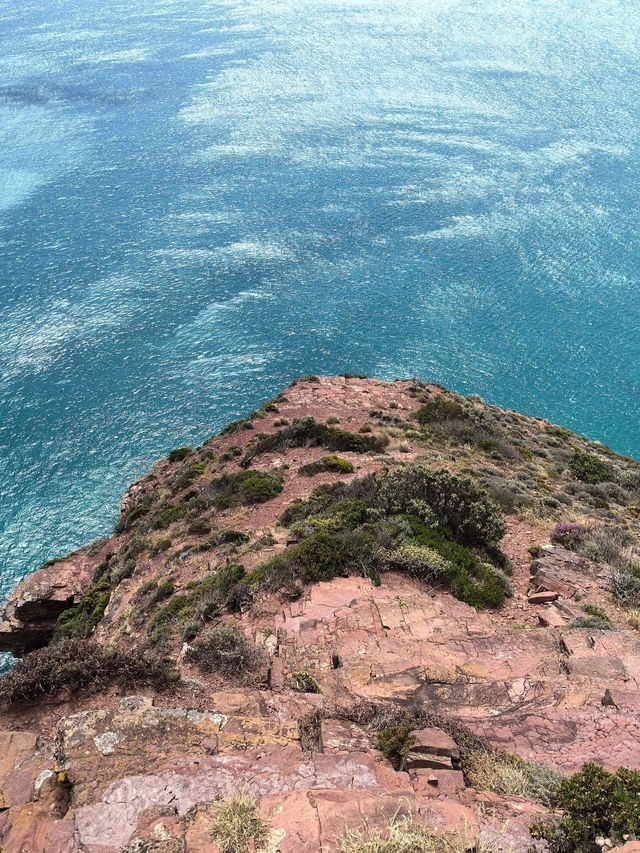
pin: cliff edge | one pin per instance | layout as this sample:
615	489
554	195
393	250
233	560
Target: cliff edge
369	611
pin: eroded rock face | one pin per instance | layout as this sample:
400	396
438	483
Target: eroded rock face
28	619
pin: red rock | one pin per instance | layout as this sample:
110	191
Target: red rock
542	597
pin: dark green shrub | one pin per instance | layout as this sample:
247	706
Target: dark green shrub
179	454
230	537
228	576
137	512
246	487
319	557
590	468
327	463
307	432
226	652
167	515
395	743
596	804
189	476
593	623
71	666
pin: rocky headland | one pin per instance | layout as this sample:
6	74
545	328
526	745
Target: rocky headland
371	613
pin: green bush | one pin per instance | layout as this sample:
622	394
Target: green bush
395	743
200	601
179	454
167	515
246	487
328	463
307	432
590	468
595	804
72	666
452	501
440	408
226	652
319	557
80	621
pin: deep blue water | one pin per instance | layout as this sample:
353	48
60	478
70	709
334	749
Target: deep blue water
201	200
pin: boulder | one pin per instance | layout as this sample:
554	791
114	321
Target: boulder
433	748
542	597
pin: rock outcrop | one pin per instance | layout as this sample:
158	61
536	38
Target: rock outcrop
339	662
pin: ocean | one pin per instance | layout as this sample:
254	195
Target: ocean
200	201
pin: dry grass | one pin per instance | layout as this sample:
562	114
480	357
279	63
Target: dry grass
633	618
511	776
404	835
238	826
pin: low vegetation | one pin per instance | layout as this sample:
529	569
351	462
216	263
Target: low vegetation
508	775
303	682
403	835
433	525
595	805
590	468
246	487
238	825
224	651
307	432
332	463
197	604
73	666
395	743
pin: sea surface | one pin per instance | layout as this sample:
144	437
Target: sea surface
200	201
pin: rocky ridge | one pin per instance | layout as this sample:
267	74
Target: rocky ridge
143	769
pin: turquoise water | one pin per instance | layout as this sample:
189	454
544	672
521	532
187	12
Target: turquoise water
200	201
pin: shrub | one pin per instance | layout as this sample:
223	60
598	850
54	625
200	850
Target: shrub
246	487
593	623
307	432
238	826
453	501
179	454
608	542
417	561
225	652
72	666
568	535
590	468
473	581
439	409
80	621
327	463
200	602
395	743
625	584
596	804
167	515
596	611
302	682
319	557
199	527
